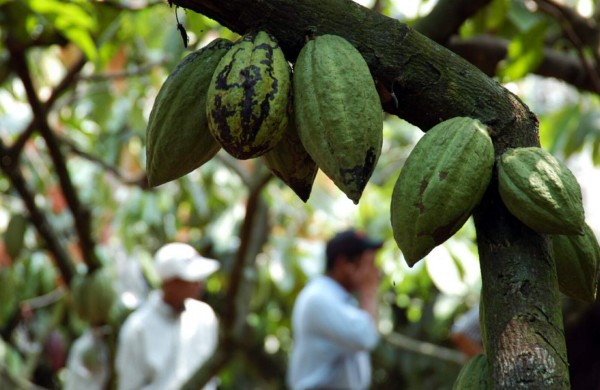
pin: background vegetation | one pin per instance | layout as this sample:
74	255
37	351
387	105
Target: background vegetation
78	79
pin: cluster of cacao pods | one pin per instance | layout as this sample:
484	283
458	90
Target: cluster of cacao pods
544	194
245	98
446	175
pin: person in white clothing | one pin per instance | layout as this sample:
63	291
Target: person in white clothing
333	320
88	366
172	334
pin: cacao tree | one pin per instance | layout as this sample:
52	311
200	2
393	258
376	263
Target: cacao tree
430	83
78	81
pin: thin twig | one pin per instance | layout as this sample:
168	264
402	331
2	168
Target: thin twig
565	19
425	348
140	181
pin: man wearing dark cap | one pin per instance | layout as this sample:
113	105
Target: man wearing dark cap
334	318
172	334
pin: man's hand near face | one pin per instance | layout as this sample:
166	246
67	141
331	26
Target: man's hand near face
366	277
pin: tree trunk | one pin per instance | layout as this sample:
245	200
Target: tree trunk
525	342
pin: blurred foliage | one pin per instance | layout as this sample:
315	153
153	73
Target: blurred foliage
131	46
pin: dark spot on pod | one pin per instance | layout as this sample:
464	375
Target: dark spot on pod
360	174
442	233
423	187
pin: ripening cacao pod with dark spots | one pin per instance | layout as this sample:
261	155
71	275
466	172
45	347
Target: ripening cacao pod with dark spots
441	182
474	375
338	112
577	260
177	137
290	162
249	96
540	191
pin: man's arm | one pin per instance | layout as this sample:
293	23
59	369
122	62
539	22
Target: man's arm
348	325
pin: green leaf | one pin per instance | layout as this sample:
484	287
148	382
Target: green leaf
587	130
72	20
525	53
556	127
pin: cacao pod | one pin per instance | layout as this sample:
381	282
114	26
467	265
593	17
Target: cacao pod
474	375
442	181
577	260
177	137
290	162
14	235
248	98
94	295
540	191
338	112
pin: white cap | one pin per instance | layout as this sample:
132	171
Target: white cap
179	260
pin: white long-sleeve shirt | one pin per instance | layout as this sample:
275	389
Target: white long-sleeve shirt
332	339
88	363
160	349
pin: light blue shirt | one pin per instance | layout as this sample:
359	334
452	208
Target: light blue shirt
332	339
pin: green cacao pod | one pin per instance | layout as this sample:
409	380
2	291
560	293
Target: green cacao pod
94	295
577	260
14	235
474	375
177	137
249	96
540	191
338	112
442	181
290	162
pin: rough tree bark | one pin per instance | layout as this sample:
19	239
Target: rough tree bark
525	342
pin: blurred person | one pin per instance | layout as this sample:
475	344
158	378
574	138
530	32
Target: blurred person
466	333
88	365
165	340
333	319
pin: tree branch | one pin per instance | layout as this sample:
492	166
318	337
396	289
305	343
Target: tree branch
577	32
446	17
253	235
486	52
66	82
81	215
10	166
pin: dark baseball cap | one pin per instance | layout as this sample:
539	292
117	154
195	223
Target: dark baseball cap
350	243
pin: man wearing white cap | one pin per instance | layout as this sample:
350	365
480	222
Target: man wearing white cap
172	334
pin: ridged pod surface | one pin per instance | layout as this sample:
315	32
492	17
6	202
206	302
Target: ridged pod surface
177	137
338	112
577	260
93	296
249	95
540	191
290	162
474	375
442	181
